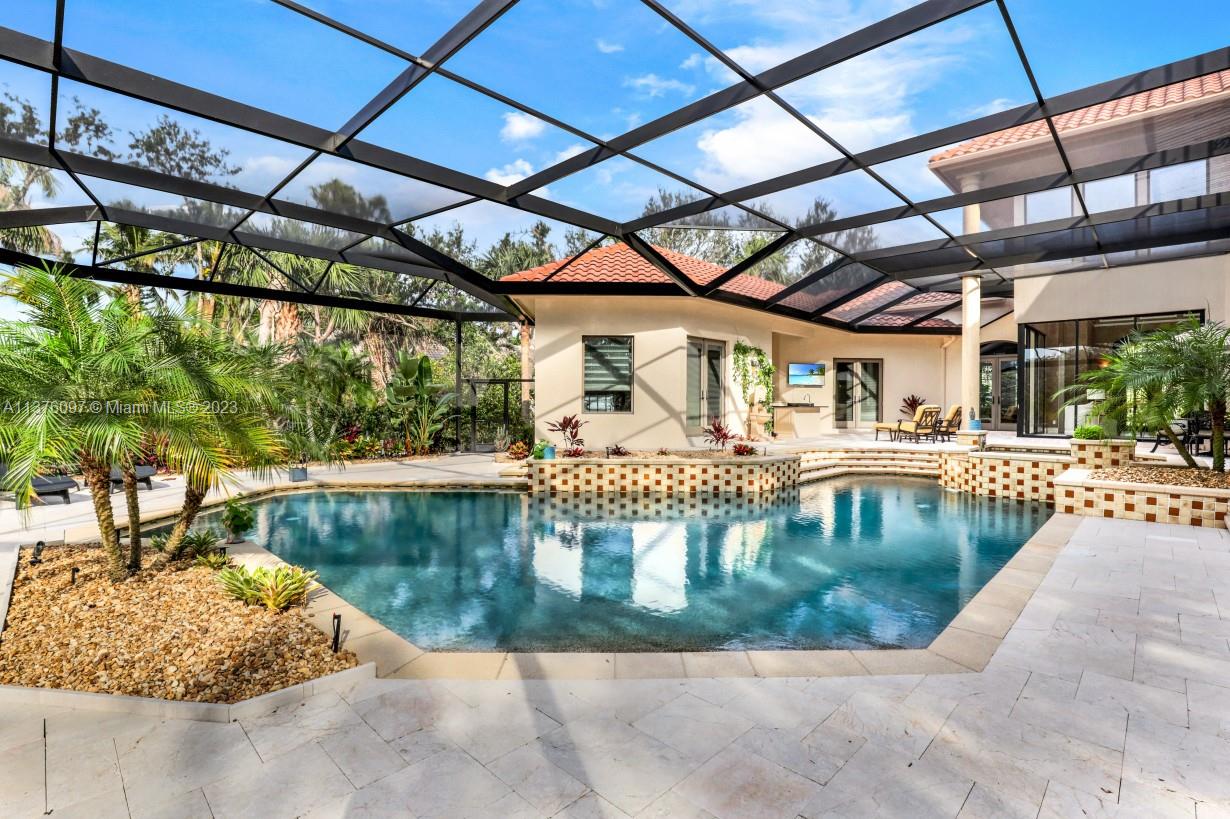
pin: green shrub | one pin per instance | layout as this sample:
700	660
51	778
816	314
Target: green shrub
158	542
238	519
276	589
539	450
1089	432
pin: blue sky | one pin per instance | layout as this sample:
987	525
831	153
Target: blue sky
606	66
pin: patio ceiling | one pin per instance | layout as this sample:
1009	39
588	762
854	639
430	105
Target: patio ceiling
864	225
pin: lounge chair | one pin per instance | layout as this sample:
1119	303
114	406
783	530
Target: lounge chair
48	485
949	425
924	427
145	475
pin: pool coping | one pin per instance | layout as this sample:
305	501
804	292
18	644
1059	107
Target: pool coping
965	645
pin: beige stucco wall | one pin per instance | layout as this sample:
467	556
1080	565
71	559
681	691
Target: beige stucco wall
1188	284
660	328
912	364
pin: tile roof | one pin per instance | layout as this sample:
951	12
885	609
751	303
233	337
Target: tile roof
620	263
1173	94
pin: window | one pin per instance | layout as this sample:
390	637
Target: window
608	374
1178	181
1044	206
1110	194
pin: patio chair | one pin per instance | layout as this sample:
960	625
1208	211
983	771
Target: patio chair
145	475
891	427
924	427
949	425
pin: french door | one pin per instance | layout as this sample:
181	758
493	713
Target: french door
706	366
999	404
856	394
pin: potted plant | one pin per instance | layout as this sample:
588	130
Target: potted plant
237	519
544	451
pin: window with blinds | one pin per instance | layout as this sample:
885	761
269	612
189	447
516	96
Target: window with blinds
608	373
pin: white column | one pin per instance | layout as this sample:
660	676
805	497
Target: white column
971	343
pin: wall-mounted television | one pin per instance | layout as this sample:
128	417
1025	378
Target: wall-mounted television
805	375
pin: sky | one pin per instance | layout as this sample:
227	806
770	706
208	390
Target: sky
604	66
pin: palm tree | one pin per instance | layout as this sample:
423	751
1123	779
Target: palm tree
1169	373
224	400
67	371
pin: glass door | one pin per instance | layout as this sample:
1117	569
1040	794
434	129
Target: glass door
997	391
856	394
706	370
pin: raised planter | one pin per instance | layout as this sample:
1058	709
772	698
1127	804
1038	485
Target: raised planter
668	476
1102	454
1077	494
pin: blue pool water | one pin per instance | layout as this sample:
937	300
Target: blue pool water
857	563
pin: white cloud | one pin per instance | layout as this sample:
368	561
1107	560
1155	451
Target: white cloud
514	171
694	60
519	127
993	107
569	152
654	86
607	47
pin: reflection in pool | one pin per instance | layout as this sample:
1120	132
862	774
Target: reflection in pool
849	563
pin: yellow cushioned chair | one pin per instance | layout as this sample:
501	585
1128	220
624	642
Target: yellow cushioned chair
928	416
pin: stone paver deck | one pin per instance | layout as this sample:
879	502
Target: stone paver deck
1109	696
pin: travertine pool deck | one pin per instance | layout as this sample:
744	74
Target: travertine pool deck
1108	696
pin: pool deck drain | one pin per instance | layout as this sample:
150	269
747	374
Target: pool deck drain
966	644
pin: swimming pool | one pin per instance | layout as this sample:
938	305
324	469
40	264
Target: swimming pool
863	562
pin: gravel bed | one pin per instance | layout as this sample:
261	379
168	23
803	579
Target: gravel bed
172	634
1173	475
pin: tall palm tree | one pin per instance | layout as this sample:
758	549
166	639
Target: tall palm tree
67	372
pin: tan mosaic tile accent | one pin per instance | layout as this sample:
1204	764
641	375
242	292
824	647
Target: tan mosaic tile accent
580	506
617	476
1154	506
1030	478
1102	454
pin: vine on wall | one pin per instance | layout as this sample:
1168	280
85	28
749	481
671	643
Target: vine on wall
754	371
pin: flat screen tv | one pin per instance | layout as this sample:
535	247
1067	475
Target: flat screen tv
805	375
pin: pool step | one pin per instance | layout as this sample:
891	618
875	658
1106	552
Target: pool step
835	470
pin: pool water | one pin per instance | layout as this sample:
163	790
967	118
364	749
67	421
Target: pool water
849	563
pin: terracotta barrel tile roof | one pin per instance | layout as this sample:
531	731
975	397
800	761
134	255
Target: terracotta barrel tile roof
619	263
1173	94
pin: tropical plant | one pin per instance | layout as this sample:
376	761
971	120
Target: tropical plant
617	451
214	560
237	519
910	404
540	450
575	452
743	450
276	589
1152	378
662	451
1089	432
421	406
518	451
200	542
570	427
717	434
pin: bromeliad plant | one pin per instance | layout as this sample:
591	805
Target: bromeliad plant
910	404
276	589
570	427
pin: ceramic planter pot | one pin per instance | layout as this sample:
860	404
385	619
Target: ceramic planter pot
298	473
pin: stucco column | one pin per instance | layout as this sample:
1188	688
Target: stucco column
971	342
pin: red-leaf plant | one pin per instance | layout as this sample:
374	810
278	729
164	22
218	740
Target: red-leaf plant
718	434
575	452
743	449
570	427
